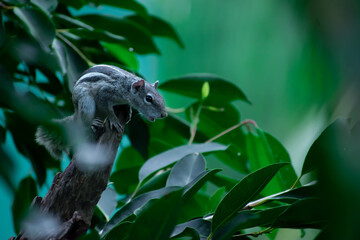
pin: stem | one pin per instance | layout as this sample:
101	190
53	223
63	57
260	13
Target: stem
81	54
255	234
296	182
135	191
194	125
245	122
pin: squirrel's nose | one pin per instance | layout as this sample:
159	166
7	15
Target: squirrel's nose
164	114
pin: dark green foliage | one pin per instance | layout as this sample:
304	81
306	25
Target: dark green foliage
164	188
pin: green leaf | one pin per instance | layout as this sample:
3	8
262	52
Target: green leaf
46	5
107	202
156	182
222	91
223	181
171	156
157	27
139	37
308	191
248	219
186	170
136	203
201	226
24	196
92	235
319	149
261	154
125	180
194	186
38	24
242	193
128	158
160	227
215	199
120	231
305	213
123	54
138	132
99	35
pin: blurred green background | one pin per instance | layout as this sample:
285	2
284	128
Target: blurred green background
295	60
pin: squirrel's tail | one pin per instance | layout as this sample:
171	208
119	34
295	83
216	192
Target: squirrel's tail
52	140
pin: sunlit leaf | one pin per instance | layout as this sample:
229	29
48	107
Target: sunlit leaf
123	54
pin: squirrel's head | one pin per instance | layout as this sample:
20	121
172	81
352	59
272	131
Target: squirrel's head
147	100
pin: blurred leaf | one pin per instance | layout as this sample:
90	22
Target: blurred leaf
130	207
24	196
324	141
223	181
160	227
201	226
156	182
6	169
166	158
123	54
46	5
128	158
194	186
261	154
98	34
157	27
2	134
222	91
242	193
23	135
215	199
37	23
68	22
305	213
139	37
186	170
125	180
138	133
129	5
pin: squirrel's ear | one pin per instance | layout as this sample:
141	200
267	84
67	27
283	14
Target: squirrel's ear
137	85
156	84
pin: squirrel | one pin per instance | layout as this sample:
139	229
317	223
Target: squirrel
94	95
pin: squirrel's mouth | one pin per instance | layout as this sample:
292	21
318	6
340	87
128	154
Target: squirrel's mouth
151	119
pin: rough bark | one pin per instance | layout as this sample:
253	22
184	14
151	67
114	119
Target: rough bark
74	193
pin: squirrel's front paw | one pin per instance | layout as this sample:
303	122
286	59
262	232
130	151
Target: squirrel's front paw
116	125
97	124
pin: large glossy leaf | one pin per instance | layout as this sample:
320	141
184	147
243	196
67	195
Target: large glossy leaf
248	219
186	170
160	227
242	193
120	231
24	196
194	186
305	213
139	37
221	91
156	182
107	202
171	156
215	199
158	27
260	154
46	5
201	226
139	201
37	23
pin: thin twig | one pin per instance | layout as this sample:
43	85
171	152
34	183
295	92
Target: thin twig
245	122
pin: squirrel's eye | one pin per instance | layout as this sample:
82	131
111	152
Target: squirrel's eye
148	98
